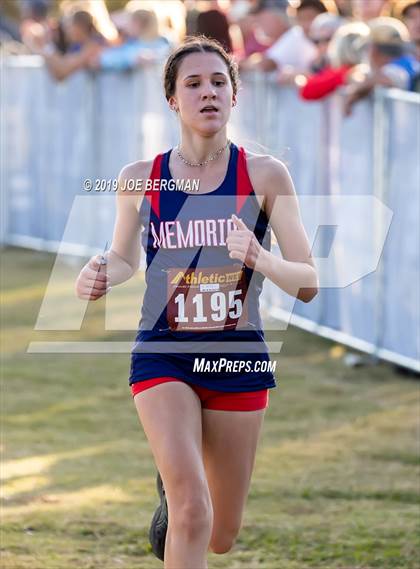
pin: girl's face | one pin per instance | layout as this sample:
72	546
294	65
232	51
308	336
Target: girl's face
203	93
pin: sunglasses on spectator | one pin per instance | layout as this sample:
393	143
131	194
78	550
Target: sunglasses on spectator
319	41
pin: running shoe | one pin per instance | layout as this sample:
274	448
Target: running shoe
159	525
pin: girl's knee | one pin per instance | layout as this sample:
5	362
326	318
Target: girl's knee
191	518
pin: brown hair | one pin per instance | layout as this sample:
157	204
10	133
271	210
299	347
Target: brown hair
410	5
199	44
84	19
316	5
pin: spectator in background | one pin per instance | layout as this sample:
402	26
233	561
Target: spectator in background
142	44
274	4
366	10
81	32
83	40
320	33
293	52
34	10
344	8
238	10
98	10
9	30
32	13
260	29
346	54
171	15
410	13
34	19
214	25
390	52
390	63
196	7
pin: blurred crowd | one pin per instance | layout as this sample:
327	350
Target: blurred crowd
315	45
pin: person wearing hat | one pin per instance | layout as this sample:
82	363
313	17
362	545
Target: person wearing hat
389	51
391	65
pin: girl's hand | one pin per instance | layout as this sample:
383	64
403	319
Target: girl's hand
92	282
243	245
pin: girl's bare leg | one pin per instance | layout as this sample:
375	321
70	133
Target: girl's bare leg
171	416
230	441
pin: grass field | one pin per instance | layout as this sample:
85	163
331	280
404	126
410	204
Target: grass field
336	482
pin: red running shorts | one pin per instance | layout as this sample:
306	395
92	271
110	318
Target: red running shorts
211	399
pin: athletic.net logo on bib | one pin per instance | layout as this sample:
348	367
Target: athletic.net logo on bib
207	298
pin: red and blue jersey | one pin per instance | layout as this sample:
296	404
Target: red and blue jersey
198	302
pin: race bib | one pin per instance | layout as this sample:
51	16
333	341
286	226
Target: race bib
207	299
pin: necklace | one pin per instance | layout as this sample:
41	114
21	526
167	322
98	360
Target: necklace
209	159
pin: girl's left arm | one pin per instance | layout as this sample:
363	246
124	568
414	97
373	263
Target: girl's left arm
295	273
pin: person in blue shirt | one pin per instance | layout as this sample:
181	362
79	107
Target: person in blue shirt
410	65
410	14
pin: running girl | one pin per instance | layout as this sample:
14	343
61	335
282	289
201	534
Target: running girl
207	254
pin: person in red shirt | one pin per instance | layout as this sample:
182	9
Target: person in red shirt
347	50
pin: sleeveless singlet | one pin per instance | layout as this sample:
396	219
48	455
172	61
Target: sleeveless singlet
200	307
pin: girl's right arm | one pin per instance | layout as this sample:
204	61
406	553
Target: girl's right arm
122	260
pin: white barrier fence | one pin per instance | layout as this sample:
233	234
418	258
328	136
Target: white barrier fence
55	136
